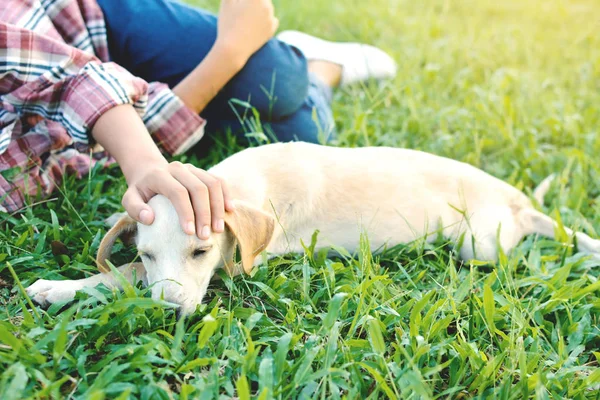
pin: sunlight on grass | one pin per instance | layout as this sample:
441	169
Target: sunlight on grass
512	87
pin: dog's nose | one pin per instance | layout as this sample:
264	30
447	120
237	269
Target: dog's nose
170	292
186	309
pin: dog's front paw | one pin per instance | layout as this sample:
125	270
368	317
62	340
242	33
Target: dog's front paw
46	292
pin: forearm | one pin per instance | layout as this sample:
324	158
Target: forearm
198	197
122	133
209	77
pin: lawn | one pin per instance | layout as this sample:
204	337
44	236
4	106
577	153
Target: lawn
510	86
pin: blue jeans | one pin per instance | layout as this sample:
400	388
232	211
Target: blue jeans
164	40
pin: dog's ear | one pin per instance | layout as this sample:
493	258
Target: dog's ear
125	227
252	229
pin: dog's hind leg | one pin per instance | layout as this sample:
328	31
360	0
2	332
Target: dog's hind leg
487	228
46	292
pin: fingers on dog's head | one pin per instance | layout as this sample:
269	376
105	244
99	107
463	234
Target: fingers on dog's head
136	207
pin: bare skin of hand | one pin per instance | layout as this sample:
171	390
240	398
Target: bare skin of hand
199	197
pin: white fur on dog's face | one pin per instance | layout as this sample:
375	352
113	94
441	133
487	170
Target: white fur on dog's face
179	266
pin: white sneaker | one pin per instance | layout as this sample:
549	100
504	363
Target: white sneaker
359	61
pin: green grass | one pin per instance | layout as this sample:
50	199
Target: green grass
512	87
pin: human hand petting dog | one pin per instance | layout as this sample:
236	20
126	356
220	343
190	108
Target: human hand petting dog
199	198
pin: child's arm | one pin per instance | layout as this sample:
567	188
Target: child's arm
243	28
84	95
199	198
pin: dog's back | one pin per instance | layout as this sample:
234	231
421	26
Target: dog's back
394	195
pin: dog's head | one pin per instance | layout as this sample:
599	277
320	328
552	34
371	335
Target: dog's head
180	266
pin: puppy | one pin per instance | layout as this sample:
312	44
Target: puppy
287	191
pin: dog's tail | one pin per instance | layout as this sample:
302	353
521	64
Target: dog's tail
534	221
540	191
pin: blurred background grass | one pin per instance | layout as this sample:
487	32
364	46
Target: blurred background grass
511	86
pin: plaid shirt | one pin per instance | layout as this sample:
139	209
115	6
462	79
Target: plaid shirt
55	82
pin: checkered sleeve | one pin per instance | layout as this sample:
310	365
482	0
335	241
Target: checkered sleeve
43	77
174	127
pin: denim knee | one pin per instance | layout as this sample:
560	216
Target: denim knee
281	72
158	40
313	122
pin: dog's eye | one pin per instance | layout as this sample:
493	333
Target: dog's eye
198	252
148	256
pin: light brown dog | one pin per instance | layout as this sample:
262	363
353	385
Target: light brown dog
285	192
